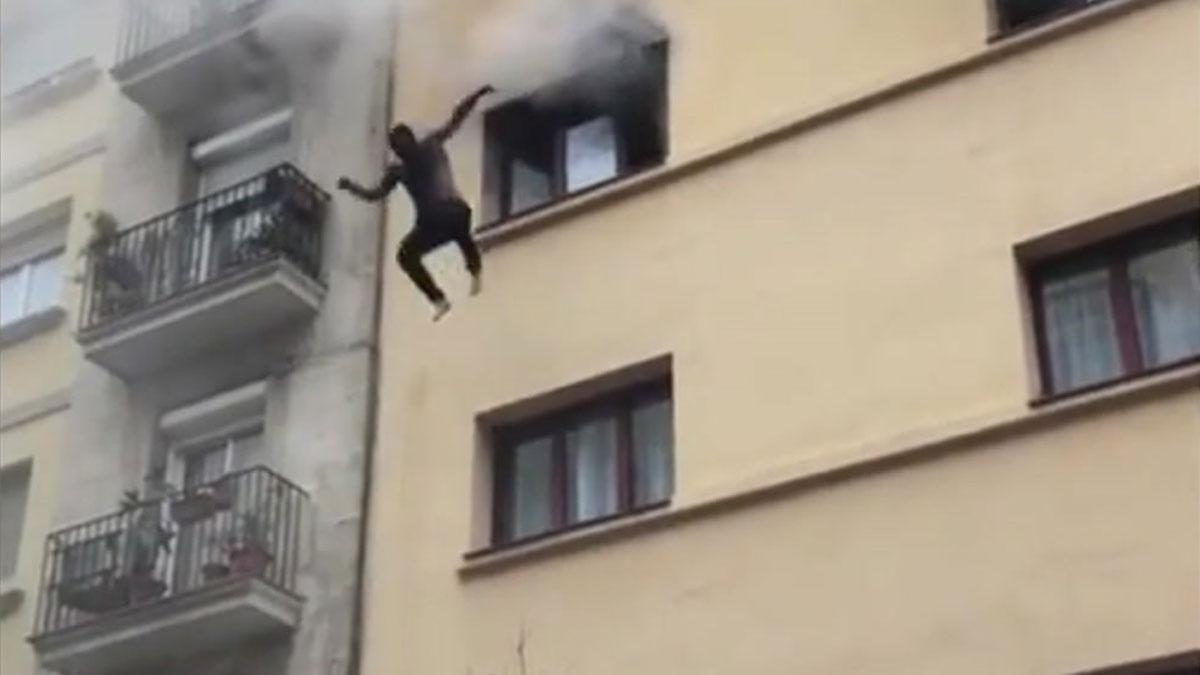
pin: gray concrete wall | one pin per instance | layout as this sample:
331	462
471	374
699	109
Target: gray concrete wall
318	395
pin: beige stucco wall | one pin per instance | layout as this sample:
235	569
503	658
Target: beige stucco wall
849	287
44	162
39	443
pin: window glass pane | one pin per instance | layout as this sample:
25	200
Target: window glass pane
45	284
14	494
653	452
592	470
1080	332
531	186
591	153
205	465
12	295
532	503
1166	299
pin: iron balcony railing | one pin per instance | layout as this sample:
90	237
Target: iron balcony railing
244	525
276	214
150	25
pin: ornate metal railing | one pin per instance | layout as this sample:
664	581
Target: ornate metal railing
276	214
246	524
148	25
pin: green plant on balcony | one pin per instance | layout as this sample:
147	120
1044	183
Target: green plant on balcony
117	568
116	277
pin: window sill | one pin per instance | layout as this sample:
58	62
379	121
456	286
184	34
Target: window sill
566	206
845	464
29	326
1192	362
10	598
495	558
1064	20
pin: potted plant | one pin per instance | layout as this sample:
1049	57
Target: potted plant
247	548
146	538
201	503
250	548
117	569
117	278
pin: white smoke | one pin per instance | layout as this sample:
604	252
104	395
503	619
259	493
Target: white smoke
515	45
535	42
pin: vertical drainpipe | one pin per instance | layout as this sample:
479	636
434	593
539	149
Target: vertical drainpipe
370	435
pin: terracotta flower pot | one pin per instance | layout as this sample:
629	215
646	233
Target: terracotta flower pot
249	560
214	571
200	505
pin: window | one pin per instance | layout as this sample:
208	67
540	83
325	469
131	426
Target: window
14	494
1121	308
30	287
609	457
605	124
238	154
1014	14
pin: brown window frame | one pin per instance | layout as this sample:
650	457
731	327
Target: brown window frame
1113	254
501	126
556	424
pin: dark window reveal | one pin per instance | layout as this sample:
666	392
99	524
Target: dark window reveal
604	124
609	457
1120	308
1015	14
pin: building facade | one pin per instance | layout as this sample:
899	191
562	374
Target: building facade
826	337
200	510
53	111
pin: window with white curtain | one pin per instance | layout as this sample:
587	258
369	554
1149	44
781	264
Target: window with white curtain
597	126
30	287
596	461
1120	308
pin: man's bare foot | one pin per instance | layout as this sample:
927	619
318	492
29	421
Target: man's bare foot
440	308
476	284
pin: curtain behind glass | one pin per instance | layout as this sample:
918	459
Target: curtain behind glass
532	464
592	467
12	295
1080	330
531	186
653	453
591	153
45	284
1166	300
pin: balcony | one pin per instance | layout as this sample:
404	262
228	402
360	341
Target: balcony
213	275
172	577
200	65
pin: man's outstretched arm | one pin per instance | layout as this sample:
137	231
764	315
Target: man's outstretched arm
461	112
388	183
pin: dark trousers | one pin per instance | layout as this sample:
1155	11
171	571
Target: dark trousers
436	226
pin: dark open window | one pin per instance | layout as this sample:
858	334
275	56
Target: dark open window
609	457
1016	14
1121	308
602	125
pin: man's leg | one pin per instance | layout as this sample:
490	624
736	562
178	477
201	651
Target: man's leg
470	250
409	256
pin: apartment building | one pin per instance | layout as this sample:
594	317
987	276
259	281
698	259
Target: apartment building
837	336
54	99
199	509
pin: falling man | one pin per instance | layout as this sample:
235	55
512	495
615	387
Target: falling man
442	214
